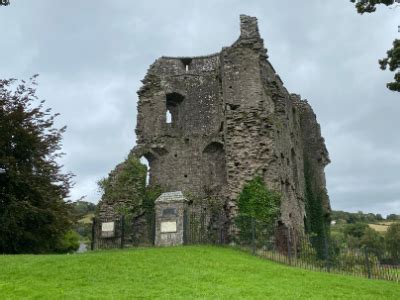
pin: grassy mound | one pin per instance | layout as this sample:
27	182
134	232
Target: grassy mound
172	273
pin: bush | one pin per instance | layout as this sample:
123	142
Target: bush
392	239
355	262
307	252
353	233
69	243
356	229
373	242
258	202
125	186
259	205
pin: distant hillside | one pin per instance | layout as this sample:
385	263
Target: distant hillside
84	212
82	208
381	227
347	217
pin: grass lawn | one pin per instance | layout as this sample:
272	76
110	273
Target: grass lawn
175	273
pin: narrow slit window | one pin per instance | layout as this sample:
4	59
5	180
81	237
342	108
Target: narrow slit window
144	161
168	117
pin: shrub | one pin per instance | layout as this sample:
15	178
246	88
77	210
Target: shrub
373	242
69	243
260	205
125	186
392	239
356	229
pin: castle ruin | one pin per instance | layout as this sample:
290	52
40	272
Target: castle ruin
231	119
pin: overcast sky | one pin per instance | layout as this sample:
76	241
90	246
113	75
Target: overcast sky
91	56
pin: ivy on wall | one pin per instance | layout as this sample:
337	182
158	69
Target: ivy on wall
126	188
258	202
316	222
259	208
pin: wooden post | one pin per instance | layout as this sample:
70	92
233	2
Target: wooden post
367	263
289	250
122	231
253	235
93	233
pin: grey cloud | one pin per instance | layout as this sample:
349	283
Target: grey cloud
92	55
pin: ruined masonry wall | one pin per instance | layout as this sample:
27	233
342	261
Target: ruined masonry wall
232	119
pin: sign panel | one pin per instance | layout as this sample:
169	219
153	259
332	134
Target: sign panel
169	212
107	226
169	226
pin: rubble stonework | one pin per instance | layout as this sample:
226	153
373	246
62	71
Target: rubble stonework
232	120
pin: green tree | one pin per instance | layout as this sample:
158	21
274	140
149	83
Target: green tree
393	217
69	243
356	230
34	217
82	208
392	239
353	233
373	242
392	59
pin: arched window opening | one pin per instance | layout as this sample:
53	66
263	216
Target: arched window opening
214	175
173	103
186	62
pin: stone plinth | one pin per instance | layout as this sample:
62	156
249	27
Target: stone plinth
169	209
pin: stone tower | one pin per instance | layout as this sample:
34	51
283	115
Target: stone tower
231	120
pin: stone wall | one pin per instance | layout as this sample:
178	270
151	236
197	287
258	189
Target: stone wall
232	119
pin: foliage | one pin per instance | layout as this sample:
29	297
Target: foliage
337	241
373	242
33	213
83	229
258	202
348	217
316	223
69	243
356	230
307	252
369	6
82	208
83	212
259	208
125	189
4	2
355	262
360	235
392	60
190	272
126	186
393	217
152	192
392	239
